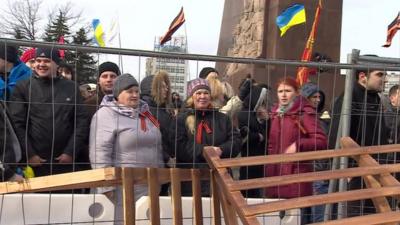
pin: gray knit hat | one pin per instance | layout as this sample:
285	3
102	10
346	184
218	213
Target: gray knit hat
123	82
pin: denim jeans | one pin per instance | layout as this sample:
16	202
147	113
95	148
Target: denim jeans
318	211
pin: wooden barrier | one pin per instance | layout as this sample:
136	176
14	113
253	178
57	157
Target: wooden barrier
128	178
379	181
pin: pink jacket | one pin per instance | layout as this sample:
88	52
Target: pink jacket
298	124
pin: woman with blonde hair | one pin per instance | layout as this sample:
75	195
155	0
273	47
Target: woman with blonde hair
156	92
224	98
199	126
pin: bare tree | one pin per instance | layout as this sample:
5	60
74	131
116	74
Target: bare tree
70	12
20	18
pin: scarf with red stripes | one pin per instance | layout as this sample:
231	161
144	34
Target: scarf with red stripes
202	125
149	116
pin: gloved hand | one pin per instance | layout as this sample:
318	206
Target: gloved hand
244	89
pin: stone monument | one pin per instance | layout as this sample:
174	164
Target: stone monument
249	30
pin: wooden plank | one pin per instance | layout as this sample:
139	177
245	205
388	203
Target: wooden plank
251	220
304	156
230	202
164	175
216	211
257	209
386	179
312	176
176	196
373	219
154	191
128	196
75	180
197	204
381	203
228	210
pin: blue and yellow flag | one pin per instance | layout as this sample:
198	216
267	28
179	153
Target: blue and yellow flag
294	15
98	33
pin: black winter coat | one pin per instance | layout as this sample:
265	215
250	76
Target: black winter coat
221	134
165	119
367	122
49	118
189	151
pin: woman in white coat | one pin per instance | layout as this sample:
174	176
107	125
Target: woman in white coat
123	133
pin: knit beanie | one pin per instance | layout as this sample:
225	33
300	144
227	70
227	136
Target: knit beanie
28	55
197	84
123	82
51	53
8	53
205	71
109	66
145	85
309	89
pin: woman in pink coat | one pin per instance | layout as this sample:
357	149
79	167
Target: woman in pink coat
294	128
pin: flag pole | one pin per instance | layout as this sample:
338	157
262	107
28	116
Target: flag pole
120	45
302	72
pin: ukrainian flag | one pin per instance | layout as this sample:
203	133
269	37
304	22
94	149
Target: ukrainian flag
293	15
98	33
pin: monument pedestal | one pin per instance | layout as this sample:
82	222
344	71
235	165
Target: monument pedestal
249	30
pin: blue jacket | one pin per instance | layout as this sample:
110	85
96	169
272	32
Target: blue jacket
19	72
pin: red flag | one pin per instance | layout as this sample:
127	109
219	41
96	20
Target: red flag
392	29
61	51
302	72
174	26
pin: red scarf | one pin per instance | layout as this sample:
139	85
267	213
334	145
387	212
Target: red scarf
148	115
200	126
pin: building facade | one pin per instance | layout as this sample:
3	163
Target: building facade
177	69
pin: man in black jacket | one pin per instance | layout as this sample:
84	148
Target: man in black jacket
367	126
50	122
367	122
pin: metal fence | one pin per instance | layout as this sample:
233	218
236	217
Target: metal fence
355	62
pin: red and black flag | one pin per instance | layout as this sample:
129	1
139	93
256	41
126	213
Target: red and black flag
176	23
392	29
303	72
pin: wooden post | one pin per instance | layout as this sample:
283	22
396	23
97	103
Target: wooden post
154	192
128	196
196	189
176	196
216	210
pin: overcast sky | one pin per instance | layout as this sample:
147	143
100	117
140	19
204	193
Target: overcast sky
364	24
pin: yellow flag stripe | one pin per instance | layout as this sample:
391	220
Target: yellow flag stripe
298	18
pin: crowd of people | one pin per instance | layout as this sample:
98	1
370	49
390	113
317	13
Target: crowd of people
53	125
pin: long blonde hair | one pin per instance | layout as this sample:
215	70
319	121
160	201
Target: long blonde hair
190	121
217	91
156	85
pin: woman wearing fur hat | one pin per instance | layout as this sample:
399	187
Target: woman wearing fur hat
199	126
124	133
293	129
